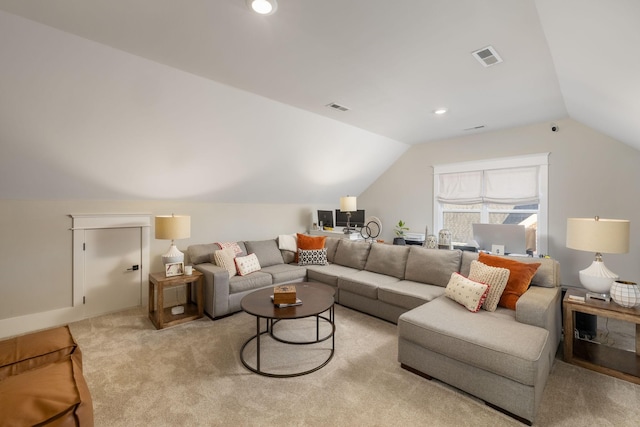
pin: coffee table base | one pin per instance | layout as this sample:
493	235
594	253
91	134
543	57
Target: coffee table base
270	323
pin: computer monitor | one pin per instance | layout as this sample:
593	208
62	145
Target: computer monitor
357	218
511	236
326	218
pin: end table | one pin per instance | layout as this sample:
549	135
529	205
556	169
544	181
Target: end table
161	317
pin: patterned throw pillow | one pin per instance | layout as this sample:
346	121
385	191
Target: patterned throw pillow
247	264
312	256
495	277
225	258
466	292
236	247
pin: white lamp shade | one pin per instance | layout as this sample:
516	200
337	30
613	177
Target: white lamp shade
348	204
610	236
173	227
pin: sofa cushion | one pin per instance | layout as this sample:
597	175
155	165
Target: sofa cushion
282	273
387	259
365	283
312	256
493	341
495	277
267	252
247	264
466	292
225	258
329	273
25	352
408	294
352	254
201	253
433	266
332	245
255	280
520	275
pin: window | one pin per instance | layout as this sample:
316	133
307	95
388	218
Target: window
510	190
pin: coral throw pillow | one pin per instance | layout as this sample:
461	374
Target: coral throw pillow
520	275
310	242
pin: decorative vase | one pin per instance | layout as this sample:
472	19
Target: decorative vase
626	294
444	239
432	241
399	241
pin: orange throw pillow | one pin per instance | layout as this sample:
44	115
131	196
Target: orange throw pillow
520	275
309	242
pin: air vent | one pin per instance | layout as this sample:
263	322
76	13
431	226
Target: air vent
338	107
474	128
487	56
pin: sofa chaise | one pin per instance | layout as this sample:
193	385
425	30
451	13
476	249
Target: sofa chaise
503	357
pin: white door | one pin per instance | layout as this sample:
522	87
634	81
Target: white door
113	274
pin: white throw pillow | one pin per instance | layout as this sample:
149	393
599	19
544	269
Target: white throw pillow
225	258
466	292
247	264
495	277
288	242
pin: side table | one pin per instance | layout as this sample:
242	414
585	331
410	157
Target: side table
161	317
598	357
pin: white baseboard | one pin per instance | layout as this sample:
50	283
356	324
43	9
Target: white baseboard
37	321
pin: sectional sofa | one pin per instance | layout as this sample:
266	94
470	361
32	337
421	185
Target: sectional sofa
503	357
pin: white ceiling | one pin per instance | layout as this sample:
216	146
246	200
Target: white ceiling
391	62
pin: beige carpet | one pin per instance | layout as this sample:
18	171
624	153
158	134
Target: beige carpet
191	375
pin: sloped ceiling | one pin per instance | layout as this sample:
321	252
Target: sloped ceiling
250	91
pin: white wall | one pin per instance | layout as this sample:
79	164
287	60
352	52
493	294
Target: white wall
589	174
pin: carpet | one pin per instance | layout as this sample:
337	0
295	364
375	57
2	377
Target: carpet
191	375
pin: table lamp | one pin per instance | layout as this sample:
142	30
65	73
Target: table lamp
348	204
172	228
598	235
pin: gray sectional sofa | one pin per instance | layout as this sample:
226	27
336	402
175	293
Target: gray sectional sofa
502	357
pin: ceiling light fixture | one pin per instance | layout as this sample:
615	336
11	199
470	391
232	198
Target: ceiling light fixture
440	111
263	7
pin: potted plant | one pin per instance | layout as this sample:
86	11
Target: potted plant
401	228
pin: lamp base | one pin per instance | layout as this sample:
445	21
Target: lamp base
172	255
597	277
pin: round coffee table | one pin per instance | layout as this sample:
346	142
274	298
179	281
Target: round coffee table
317	298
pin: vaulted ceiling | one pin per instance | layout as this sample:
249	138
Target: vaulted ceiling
392	63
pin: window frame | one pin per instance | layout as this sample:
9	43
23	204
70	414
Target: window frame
539	160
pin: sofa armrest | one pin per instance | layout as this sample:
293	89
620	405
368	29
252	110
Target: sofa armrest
216	288
540	306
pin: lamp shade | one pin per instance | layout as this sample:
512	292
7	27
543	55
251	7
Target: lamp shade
348	204
610	236
173	227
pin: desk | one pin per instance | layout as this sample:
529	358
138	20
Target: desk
354	235
598	357
161	317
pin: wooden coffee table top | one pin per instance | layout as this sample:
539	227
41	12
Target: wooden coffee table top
316	298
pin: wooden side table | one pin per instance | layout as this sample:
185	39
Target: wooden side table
162	317
598	357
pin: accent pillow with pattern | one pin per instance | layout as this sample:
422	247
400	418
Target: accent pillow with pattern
312	256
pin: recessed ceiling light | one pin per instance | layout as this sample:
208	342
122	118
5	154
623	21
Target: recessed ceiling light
440	111
263	7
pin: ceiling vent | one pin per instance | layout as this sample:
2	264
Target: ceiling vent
474	128
338	107
487	56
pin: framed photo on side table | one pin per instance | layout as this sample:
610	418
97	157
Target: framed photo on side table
174	269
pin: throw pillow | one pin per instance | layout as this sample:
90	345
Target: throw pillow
495	277
309	242
225	258
312	256
466	292
236	247
247	264
520	275
288	242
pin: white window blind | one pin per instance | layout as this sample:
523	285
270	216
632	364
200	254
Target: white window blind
503	186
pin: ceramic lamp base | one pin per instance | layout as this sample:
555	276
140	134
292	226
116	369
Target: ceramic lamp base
172	255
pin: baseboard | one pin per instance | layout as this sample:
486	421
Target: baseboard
37	321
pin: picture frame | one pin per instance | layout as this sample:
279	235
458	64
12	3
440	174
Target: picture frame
174	269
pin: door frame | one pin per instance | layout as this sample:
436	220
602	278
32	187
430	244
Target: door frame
82	222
